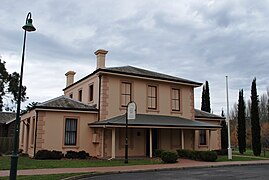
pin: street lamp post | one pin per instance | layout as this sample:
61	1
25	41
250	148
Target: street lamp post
14	157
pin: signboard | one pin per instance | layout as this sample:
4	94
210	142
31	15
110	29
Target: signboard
131	110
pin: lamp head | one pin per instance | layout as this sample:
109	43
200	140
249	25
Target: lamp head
29	25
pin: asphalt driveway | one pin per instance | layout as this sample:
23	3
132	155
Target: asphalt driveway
256	172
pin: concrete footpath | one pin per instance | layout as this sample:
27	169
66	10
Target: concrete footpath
181	164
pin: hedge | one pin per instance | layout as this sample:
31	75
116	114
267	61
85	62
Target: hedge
198	155
47	154
157	152
76	155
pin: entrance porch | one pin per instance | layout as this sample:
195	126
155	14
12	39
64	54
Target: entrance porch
149	132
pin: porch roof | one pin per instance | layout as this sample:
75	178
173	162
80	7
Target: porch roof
158	121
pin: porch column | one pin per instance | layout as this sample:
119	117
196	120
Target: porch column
113	149
209	141
182	139
150	143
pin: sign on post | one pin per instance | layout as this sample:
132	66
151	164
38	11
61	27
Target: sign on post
131	111
130	115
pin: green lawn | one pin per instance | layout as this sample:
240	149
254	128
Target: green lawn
28	163
45	177
247	156
249	152
238	158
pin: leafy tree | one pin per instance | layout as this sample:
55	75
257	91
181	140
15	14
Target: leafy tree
9	87
255	120
3	81
263	108
224	132
30	106
206	98
13	87
241	127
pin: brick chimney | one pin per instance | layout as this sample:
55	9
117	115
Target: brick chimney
70	77
101	58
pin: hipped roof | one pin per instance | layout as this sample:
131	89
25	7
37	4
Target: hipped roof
138	72
65	103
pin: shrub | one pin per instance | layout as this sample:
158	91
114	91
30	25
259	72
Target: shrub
71	155
208	156
46	154
56	154
169	157
76	155
83	155
42	154
158	152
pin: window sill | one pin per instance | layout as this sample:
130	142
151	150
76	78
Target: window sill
203	146
70	147
153	110
176	112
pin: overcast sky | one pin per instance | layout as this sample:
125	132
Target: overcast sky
196	40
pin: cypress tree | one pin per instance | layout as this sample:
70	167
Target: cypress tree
206	98
241	127
224	133
255	121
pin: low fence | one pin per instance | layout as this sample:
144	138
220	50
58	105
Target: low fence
6	145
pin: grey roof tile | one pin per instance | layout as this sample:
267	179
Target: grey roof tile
6	117
146	73
64	102
156	120
134	71
203	114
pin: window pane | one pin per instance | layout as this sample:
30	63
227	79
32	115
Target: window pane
152	97
175	99
126	93
80	95
202	137
91	92
70	131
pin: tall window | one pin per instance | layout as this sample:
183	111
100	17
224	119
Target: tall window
152	97
91	92
126	93
202	137
80	95
70	131
175	98
71	95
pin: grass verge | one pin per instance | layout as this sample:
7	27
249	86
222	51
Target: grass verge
249	152
46	177
239	158
28	163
